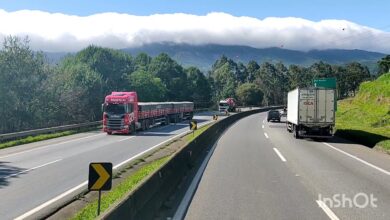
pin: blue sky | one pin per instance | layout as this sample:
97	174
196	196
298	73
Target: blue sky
375	13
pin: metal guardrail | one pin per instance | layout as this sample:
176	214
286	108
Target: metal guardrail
10	136
21	134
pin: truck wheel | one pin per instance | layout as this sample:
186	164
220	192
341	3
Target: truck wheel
147	124
109	133
296	133
132	129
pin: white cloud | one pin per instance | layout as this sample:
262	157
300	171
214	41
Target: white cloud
61	32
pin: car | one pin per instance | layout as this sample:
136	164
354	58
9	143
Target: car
283	112
273	115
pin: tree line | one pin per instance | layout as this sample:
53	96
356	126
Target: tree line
36	94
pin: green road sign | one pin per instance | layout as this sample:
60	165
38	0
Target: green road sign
325	82
100	176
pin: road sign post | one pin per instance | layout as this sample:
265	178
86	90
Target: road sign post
193	126
100	179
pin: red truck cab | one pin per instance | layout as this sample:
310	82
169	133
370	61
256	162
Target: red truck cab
120	112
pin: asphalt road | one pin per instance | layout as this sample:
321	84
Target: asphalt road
259	171
37	176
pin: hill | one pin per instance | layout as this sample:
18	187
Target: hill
203	56
366	117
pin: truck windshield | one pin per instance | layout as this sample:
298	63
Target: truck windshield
223	104
115	108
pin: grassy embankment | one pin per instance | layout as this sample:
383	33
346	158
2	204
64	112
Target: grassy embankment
365	118
130	183
42	137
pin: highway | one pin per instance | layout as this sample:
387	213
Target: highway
259	171
38	176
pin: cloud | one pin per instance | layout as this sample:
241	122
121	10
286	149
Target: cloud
61	32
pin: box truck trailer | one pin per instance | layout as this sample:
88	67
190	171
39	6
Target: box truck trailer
311	112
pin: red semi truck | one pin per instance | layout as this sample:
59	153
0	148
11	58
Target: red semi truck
122	113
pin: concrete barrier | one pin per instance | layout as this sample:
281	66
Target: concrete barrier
146	200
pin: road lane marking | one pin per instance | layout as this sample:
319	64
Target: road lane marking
280	155
36	209
185	202
262	126
266	135
28	170
83	184
50	145
327	210
358	159
139	154
126	138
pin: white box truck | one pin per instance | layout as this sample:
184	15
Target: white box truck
311	112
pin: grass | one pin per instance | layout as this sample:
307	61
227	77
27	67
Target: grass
366	117
31	139
190	137
119	191
42	137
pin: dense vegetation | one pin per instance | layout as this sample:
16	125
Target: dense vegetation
366	117
35	94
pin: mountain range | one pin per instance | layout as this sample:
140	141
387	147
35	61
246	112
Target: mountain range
203	56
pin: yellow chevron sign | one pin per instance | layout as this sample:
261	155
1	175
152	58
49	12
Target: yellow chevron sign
100	176
193	125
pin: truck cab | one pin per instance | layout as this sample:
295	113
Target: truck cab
120	112
223	106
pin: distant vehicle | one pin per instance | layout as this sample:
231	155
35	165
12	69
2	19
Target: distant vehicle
273	115
311	112
228	104
122	113
283	112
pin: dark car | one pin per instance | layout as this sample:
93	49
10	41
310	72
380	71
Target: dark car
273	115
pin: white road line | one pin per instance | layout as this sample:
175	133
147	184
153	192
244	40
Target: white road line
358	159
184	204
327	210
126	138
280	155
36	209
263	121
28	170
262	126
50	145
266	135
55	199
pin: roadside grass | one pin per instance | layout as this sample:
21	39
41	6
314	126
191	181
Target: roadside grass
191	136
41	137
118	192
366	117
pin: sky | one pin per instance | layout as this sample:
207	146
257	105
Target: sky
70	25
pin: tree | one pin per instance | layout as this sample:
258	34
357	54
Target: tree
199	87
355	74
172	75
22	73
249	94
384	65
148	87
252	67
112	65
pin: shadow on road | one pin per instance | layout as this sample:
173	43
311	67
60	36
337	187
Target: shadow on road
6	171
362	137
